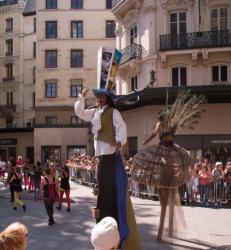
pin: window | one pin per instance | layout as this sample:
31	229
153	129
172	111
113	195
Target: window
219	19
34	25
133	35
51	29
34	74
9	47
133	83
76	58
9	122
51	4
51	58
51	89
73	151
76	87
34	49
75	120
9	71
33	99
108	4
219	73
110	29
52	153
9	99
9	24
77	29
76	4
178	23
179	76
51	120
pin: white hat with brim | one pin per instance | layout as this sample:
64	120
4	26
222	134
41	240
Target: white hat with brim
105	234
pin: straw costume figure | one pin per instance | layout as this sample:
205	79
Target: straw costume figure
166	165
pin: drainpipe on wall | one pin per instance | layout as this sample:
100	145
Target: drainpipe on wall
199	10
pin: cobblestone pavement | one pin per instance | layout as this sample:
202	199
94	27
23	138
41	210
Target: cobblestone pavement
206	228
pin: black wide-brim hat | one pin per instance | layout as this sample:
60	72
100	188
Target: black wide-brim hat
106	92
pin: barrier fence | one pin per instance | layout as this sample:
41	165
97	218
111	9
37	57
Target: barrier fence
216	194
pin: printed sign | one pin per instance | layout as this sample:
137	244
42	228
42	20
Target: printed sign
108	64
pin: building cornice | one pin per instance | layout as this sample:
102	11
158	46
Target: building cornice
149	7
176	4
11	9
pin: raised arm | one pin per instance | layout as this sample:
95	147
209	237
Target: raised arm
155	131
80	111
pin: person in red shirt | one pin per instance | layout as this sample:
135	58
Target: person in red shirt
204	180
20	161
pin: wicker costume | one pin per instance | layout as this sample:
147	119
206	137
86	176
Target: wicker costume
166	165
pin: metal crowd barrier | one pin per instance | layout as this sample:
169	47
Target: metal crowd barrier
215	194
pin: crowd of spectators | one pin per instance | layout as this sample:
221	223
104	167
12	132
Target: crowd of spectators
209	185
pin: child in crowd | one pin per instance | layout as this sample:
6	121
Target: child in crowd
105	234
14	237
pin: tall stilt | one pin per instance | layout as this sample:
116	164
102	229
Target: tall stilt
163	196
171	211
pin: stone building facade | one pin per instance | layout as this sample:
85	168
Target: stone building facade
173	44
68	38
17	62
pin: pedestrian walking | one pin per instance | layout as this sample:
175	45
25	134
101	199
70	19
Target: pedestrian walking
49	188
16	181
64	188
37	180
11	171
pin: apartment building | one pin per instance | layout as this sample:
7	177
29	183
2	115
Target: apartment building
170	44
17	62
69	34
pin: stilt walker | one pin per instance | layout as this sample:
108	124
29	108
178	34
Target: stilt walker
110	134
166	165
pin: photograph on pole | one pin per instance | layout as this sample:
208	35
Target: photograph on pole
108	63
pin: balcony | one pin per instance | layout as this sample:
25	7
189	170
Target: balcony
195	40
116	3
78	125
9	53
8	79
123	8
133	51
7	110
8	2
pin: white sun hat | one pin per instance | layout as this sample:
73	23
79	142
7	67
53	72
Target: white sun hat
105	234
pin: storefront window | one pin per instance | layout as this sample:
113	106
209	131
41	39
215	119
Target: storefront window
52	153
73	151
222	154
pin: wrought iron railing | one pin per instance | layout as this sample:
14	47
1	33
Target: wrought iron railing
8	79
205	39
10	107
7	110
8	2
78	125
132	51
115	3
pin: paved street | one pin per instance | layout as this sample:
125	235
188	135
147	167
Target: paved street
206	228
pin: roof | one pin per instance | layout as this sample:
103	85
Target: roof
30	8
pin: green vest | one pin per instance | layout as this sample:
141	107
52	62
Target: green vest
107	131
